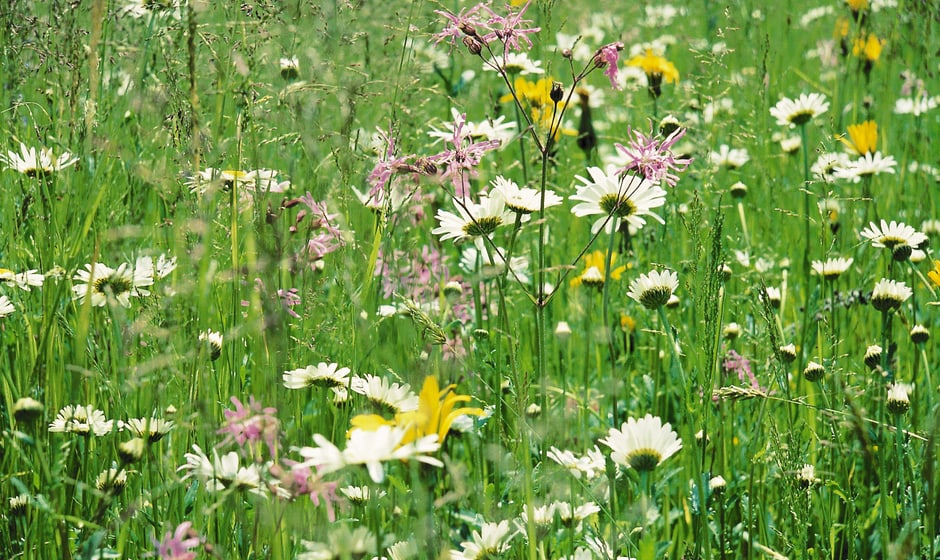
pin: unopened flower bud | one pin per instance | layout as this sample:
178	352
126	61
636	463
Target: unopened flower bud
557	92
468	29
873	356
132	450
473	45
738	190
566	53
899	401
814	371
919	334
562	331
27	410
787	353
668	125
901	252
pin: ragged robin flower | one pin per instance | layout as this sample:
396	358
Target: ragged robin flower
595	264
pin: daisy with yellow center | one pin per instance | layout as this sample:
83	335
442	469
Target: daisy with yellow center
595	264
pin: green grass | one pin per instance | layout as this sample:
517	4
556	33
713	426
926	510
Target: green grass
147	103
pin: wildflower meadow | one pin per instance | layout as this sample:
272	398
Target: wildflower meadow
435	279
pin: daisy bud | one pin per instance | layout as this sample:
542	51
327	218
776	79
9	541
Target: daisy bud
919	334
562	331
899	401
19	504
132	450
214	340
717	484
481	334
290	68
533	410
873	356
901	252
787	353
731	331
452	290
27	410
557	92
814	371
673	302
112	481
668	125
738	190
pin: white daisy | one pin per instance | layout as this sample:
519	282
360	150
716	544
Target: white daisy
826	164
6	306
223	473
472	219
793	112
832	268
899	400
625	198
653	290
515	63
522	200
569	515
889	294
489	263
915	105
322	374
642	444
589	466
491	541
22	280
868	164
151	428
257	180
731	158
33	163
890	235
80	419
102	283
393	396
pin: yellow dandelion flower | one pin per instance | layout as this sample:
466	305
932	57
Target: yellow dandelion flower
857	5
868	48
863	138
653	64
934	274
842	28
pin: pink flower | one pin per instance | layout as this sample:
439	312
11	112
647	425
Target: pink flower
251	425
607	57
300	480
652	158
509	29
461	24
461	161
289	299
179	544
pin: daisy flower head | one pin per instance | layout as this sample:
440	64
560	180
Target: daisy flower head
80	419
889	295
866	166
385	444
642	444
322	375
37	163
894	236
806	476
6	306
22	280
898	398
394	397
154	429
289	67
491	541
826	164
652	157
730	158
653	290
473	220
617	198
254	181
101	283
831	268
799	111
516	63
522	200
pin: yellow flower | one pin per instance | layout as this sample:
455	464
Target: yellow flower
594	266
863	138
435	415
857	5
655	67
934	274
868	48
842	28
